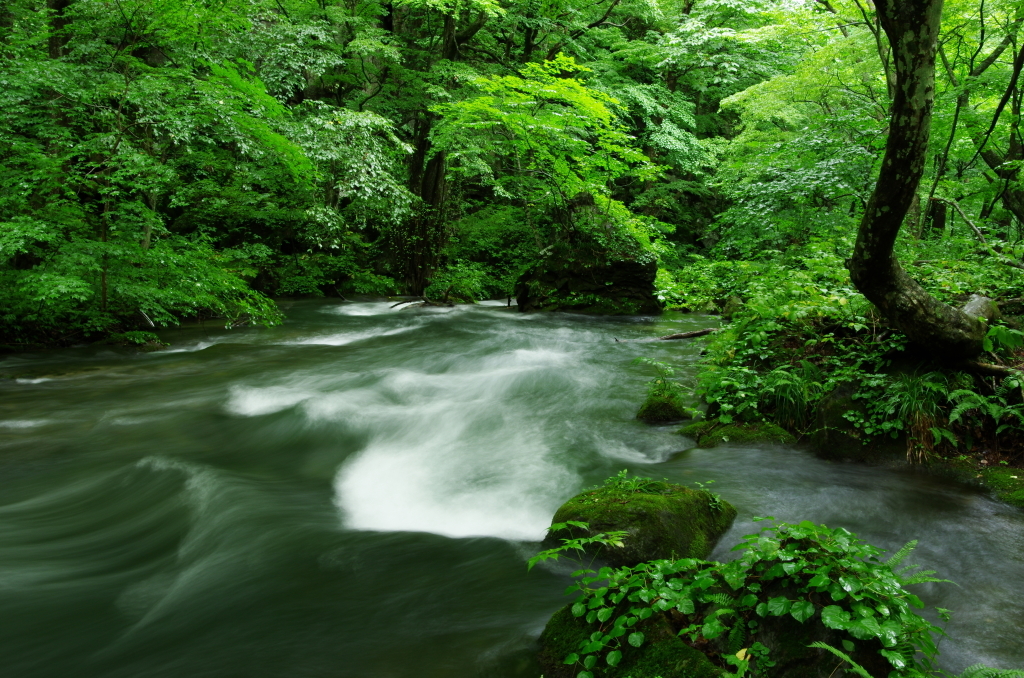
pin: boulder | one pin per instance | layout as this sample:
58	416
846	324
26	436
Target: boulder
836	438
659	408
712	433
663	520
599	285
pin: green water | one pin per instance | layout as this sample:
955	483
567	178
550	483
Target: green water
356	493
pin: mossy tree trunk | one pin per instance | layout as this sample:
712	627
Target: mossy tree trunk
912	27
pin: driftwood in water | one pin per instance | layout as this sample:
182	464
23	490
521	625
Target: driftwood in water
690	335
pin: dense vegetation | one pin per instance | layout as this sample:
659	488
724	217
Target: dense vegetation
164	161
799	600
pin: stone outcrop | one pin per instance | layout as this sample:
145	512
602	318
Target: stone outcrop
663	521
589	285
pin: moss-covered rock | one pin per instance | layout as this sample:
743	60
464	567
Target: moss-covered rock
663	653
663	521
659	408
835	437
712	433
607	276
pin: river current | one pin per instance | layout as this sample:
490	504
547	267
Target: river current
355	494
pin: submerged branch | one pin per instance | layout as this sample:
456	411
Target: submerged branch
689	335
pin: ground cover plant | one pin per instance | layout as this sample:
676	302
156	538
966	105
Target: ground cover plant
832	585
797	596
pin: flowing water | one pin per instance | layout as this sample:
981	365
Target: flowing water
356	492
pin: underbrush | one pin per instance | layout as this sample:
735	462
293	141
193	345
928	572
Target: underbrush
801	337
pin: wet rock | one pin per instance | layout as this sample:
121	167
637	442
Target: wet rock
712	433
835	437
657	409
663	520
589	285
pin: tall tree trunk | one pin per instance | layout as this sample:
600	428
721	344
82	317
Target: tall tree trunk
912	28
426	232
58	22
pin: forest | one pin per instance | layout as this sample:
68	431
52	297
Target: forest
167	161
819	202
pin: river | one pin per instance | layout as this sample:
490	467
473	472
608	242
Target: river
355	494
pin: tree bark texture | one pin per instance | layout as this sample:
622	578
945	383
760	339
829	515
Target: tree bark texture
912	27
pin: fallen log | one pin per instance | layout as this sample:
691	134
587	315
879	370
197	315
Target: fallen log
690	335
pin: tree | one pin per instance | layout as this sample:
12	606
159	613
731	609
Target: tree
912	28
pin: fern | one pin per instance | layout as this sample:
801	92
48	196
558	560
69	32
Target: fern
982	671
854	666
737	637
900	555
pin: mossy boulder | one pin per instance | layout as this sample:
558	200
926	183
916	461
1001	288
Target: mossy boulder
663	653
660	408
836	438
663	521
713	432
608	276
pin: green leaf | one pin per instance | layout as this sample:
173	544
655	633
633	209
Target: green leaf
589	661
614	657
604	614
778	606
835	617
712	629
819	580
572	659
802	610
895	658
636	639
579	609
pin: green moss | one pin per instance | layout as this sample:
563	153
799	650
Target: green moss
1006	482
663	654
713	433
661	408
663	521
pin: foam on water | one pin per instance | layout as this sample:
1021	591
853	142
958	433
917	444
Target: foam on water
363	308
253	402
23	423
449	452
343	338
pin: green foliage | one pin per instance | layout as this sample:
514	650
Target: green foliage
802	334
806	572
135	338
611	539
459	281
639	484
662	385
